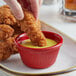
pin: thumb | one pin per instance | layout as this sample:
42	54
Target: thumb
35	7
40	2
15	8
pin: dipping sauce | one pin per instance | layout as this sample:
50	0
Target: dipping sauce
27	43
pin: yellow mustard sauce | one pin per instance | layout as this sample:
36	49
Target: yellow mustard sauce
27	43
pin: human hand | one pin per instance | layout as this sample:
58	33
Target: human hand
32	5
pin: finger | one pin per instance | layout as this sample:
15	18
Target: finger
25	4
35	7
40	2
15	8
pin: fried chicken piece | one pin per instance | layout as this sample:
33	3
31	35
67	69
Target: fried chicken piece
5	31
11	43
5	51
6	17
32	28
8	33
7	48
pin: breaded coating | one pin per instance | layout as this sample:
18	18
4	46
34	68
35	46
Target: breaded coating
7	40
8	33
6	17
7	48
31	27
5	31
5	51
11	43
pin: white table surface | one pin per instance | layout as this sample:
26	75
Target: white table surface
49	14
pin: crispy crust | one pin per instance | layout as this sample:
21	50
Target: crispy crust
5	31
5	52
11	43
6	17
7	48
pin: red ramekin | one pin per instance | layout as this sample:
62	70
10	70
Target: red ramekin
39	58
